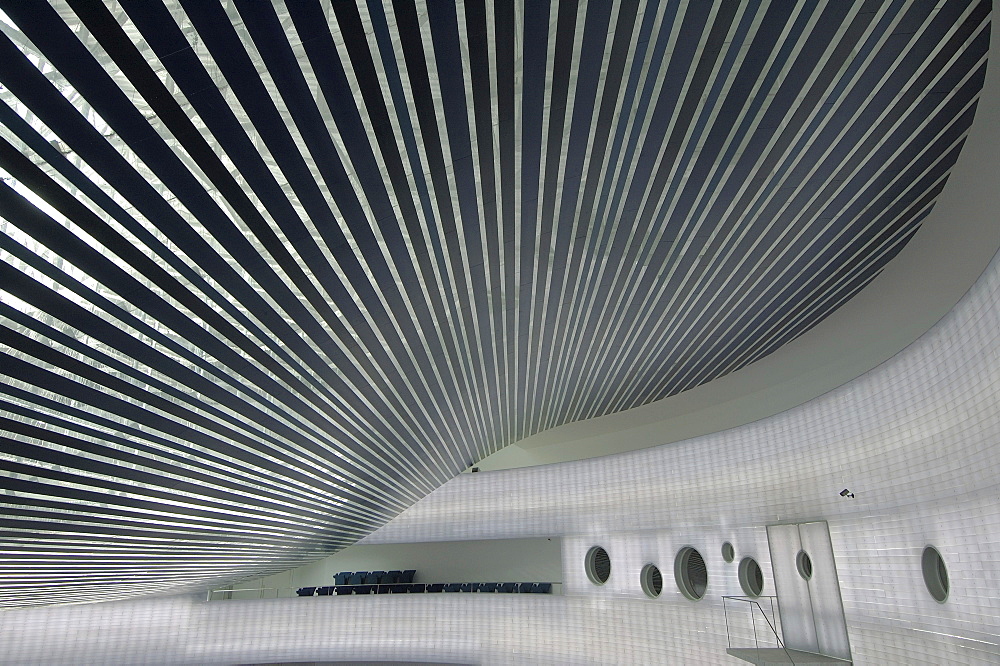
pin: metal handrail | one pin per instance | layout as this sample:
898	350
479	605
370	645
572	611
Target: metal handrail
753	602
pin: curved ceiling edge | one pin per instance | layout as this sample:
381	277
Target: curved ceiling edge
925	280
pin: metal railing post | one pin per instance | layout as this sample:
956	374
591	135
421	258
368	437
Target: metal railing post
729	638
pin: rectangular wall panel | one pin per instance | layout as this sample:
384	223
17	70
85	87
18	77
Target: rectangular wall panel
793	592
812	612
824	591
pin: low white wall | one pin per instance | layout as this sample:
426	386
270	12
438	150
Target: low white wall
439	628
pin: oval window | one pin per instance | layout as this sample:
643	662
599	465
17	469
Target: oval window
751	577
935	574
651	580
691	573
728	553
804	564
598	565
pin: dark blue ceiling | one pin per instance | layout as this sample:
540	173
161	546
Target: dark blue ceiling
270	273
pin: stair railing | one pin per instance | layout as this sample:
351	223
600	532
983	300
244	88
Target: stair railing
751	604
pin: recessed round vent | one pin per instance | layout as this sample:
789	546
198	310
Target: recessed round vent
728	553
651	580
804	564
691	573
935	574
751	577
598	565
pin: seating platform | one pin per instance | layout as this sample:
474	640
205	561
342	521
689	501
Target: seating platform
401	582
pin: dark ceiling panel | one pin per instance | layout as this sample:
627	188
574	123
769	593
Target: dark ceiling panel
269	274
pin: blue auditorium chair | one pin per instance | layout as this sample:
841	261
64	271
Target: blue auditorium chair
344	589
453	587
342	577
543	588
382	589
392	577
507	587
399	588
435	587
488	587
526	588
466	587
372	577
324	591
408	576
357	578
363	589
305	591
417	588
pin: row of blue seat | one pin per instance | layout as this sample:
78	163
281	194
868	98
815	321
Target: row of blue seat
374	577
418	588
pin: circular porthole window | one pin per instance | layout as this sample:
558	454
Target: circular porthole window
651	580
751	577
804	564
598	565
935	574
691	573
728	553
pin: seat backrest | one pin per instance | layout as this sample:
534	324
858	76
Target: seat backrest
341	578
417	588
435	587
408	576
466	587
357	578
363	589
543	588
344	589
526	587
305	591
371	579
506	587
389	577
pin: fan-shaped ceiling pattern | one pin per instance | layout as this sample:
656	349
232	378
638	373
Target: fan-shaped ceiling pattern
270	273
